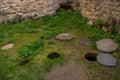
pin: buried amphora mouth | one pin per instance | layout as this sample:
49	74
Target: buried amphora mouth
90	57
53	55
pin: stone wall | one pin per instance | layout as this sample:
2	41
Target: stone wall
98	9
106	10
15	10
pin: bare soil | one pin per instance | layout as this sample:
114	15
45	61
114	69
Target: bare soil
71	70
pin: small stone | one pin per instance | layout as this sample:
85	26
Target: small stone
107	59
11	17
85	42
90	23
64	36
107	45
7	46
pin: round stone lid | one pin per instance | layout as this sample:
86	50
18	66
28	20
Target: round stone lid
106	45
107	59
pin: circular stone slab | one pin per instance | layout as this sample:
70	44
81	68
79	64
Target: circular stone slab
64	36
7	46
107	59
85	42
107	45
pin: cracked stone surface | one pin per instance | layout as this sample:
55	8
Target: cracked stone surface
106	45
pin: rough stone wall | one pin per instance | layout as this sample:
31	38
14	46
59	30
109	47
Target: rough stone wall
106	10
15	10
98	9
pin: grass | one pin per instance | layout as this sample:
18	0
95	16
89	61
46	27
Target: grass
30	49
27	36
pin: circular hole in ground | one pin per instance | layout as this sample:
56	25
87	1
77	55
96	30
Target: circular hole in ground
90	57
53	55
42	37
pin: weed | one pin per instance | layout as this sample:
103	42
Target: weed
1	37
51	43
30	49
98	22
50	34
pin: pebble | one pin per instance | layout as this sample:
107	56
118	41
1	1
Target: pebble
64	36
7	46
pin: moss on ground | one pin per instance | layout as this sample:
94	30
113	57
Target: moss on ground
47	28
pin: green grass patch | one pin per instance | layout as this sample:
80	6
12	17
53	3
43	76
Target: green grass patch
30	49
26	36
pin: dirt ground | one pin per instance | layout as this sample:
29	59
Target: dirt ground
71	70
